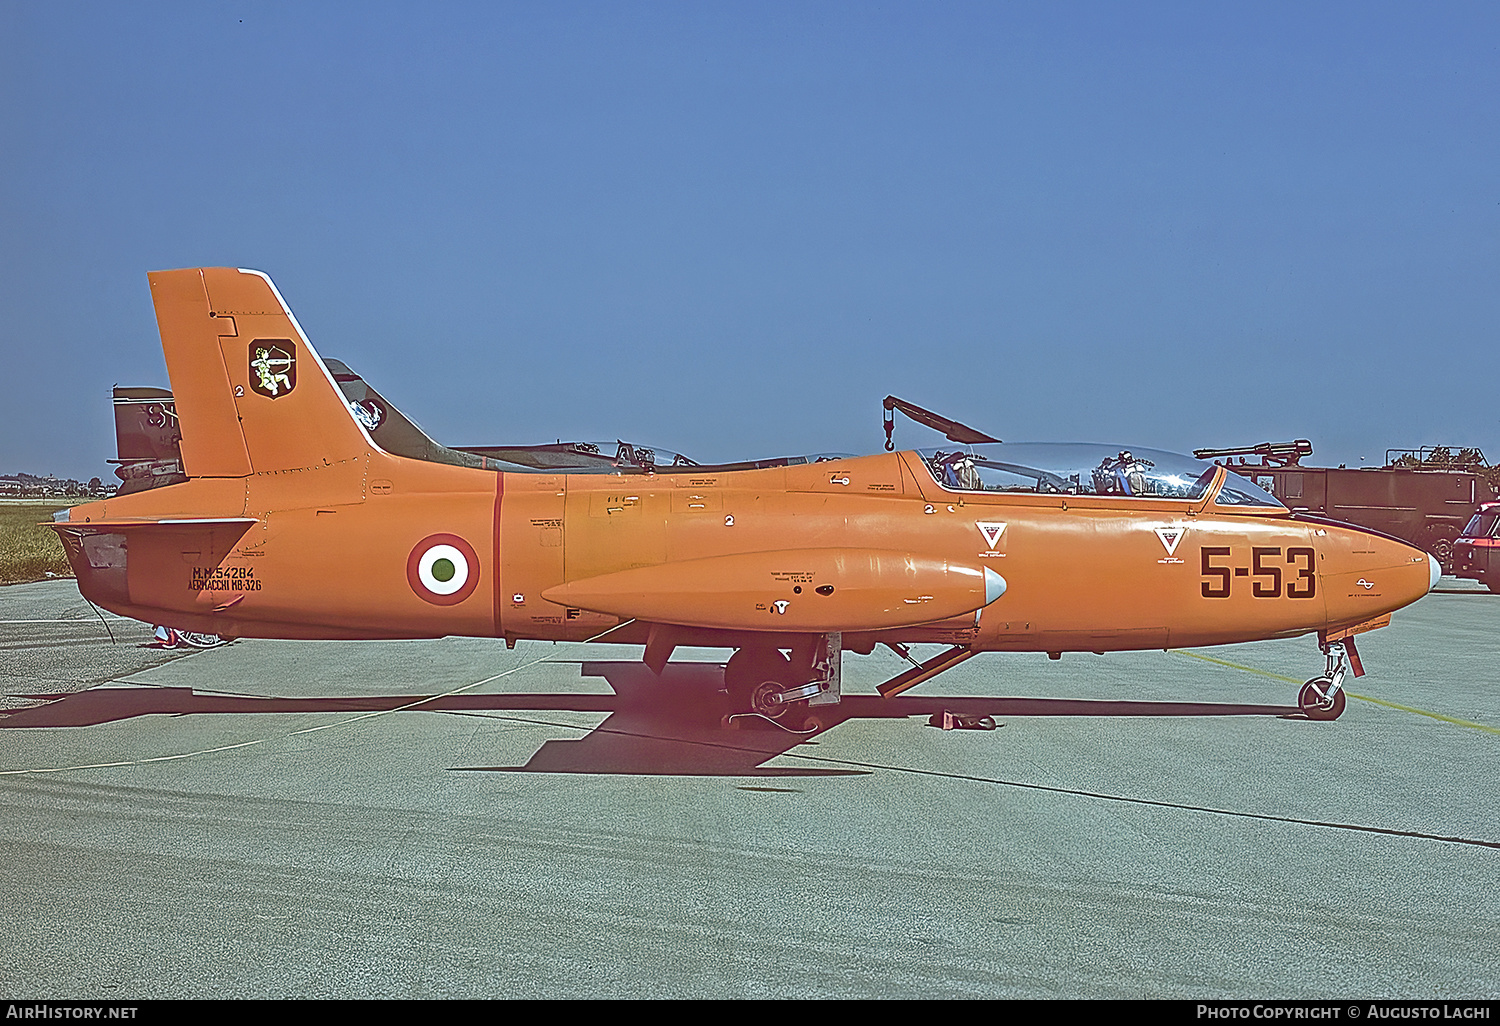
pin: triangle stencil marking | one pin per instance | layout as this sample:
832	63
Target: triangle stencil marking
991	532
1170	538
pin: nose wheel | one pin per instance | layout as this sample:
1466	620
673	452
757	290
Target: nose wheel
771	698
1319	700
765	698
1323	698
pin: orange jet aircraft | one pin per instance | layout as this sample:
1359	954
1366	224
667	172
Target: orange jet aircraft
300	504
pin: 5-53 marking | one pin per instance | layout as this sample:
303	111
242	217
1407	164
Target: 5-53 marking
1268	571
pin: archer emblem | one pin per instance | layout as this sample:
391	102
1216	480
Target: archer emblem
273	367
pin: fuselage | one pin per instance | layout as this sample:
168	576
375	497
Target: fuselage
337	551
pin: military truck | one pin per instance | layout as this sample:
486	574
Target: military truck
1424	496
1476	554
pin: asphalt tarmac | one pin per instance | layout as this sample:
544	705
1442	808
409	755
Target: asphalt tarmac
284	819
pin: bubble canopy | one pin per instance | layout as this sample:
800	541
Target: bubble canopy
1073	468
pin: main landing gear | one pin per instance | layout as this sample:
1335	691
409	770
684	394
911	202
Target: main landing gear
763	681
1323	698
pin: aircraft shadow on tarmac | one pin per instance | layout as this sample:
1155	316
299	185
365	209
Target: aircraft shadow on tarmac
668	725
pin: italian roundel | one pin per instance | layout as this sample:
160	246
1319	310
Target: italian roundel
443	569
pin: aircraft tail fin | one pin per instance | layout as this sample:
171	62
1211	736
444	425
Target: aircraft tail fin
251	394
146	439
391	429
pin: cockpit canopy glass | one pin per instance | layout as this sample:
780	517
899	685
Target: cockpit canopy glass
1050	468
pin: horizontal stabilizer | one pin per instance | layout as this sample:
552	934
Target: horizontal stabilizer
97	526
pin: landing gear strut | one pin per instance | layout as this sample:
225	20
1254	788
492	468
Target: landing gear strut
1322	698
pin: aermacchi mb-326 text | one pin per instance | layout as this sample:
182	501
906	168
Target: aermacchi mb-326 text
283	497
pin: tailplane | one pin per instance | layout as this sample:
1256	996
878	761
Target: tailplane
251	394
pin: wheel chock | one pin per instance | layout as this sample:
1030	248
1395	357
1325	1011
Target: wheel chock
961	721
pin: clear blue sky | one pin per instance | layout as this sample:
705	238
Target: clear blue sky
731	229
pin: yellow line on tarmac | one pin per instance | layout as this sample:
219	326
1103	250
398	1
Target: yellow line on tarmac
1362	698
1424	712
1236	666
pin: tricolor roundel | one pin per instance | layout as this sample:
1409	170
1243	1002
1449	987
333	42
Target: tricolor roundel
443	569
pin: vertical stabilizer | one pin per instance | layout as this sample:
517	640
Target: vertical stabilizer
251	393
147	439
389	428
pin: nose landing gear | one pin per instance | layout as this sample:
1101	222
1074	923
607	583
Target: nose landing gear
1323	698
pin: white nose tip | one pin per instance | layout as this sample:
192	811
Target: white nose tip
1434	571
994	586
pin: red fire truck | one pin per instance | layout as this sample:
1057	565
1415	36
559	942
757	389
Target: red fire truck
1476	554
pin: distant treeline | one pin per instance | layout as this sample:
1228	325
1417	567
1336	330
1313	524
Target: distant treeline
30	486
1443	458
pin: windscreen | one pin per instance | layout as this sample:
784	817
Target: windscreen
1050	468
1482	525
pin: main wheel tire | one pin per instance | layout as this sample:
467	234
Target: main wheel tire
1310	700
753	673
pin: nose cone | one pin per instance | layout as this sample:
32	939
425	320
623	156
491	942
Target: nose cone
994	586
1367	574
